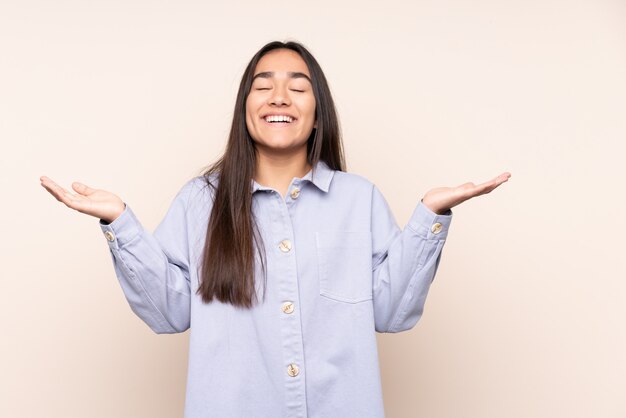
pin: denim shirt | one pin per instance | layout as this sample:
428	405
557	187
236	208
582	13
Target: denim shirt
339	269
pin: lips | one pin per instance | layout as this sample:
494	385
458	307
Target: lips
278	119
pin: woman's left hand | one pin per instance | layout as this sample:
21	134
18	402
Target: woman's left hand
441	199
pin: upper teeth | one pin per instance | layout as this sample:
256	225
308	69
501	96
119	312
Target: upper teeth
279	118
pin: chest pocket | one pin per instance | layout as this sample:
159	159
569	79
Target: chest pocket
345	265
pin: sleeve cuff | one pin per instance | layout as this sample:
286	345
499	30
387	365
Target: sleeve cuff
123	229
428	224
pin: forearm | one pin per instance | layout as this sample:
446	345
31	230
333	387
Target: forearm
402	279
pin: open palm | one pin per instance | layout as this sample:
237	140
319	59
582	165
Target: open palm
99	203
440	199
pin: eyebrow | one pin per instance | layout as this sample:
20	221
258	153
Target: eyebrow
291	74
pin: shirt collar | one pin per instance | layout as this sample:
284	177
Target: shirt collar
322	177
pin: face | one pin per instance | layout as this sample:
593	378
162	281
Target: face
280	109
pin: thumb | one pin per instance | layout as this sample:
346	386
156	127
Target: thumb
82	188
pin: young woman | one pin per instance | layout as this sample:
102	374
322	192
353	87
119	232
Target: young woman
282	264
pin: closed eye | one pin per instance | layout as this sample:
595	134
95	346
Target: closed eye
299	91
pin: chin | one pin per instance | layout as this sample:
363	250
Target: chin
277	145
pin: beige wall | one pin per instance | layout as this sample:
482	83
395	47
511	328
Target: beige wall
525	318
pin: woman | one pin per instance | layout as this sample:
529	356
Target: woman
282	265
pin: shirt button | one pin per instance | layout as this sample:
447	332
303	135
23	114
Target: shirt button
287	307
109	235
436	228
285	245
292	370
295	192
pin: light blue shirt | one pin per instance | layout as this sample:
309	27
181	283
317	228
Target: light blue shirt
339	269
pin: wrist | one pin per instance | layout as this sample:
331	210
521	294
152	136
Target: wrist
114	215
435	209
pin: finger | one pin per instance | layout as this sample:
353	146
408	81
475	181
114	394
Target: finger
52	187
82	188
62	195
496	181
502	178
52	191
490	185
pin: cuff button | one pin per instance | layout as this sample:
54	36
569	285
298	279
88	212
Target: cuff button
109	235
436	228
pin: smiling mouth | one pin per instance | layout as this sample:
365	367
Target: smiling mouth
278	119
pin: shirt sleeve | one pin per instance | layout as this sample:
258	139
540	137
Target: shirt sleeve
404	262
153	268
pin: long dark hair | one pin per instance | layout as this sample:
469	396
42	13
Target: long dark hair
228	261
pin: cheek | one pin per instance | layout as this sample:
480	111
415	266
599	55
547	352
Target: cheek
309	107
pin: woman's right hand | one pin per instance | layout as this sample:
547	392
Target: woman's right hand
99	203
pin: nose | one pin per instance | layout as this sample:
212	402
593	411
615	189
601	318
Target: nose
279	96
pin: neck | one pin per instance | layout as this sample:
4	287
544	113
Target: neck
277	171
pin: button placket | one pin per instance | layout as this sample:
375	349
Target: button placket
286	274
